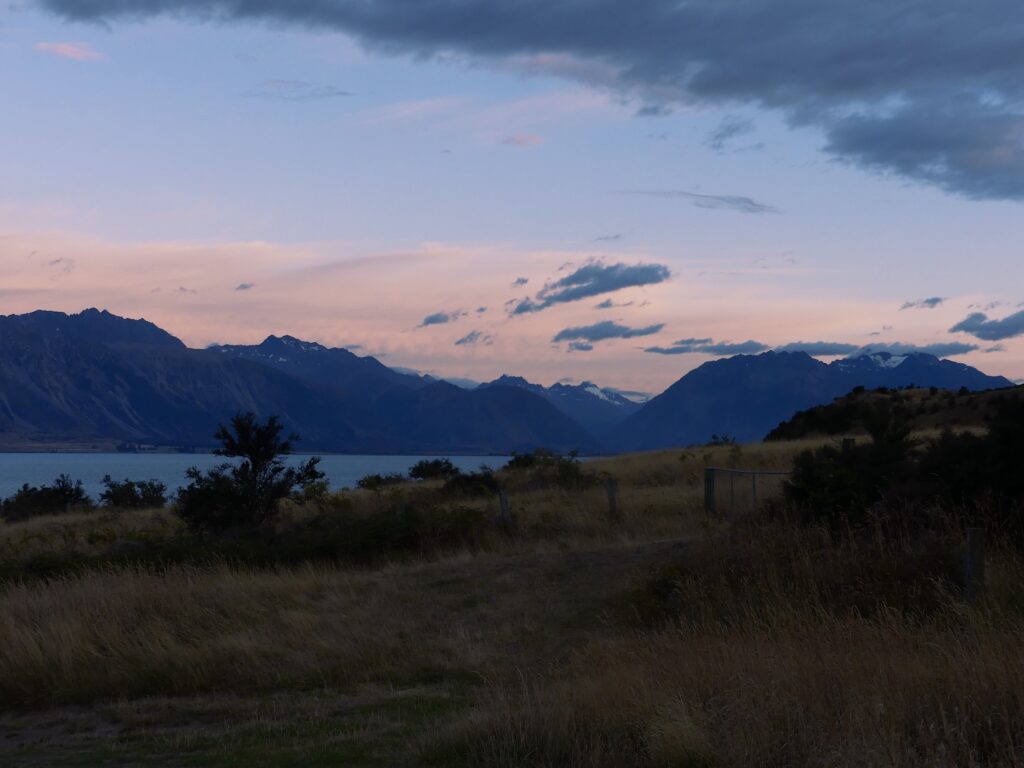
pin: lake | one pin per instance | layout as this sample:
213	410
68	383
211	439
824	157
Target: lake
342	471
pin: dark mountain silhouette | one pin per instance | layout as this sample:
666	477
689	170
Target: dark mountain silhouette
329	366
748	395
597	410
97	377
97	326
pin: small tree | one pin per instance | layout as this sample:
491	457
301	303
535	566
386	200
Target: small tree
133	494
244	496
433	469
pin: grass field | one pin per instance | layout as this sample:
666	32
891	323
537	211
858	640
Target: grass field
655	637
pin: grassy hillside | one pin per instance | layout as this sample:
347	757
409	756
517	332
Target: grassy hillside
567	637
927	410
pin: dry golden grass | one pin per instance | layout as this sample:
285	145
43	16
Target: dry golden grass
578	639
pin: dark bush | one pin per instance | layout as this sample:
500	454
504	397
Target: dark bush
543	468
377	482
838	484
133	494
64	495
241	497
433	469
976	479
482	483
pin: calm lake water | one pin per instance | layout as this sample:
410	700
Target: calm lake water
16	469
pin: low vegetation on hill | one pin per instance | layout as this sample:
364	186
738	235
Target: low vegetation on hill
553	613
924	409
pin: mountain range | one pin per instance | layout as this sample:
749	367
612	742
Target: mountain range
96	378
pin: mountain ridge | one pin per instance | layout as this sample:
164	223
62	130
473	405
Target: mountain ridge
96	376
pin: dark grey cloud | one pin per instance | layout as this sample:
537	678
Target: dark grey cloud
294	90
927	89
580	346
730	127
441	318
710	347
980	327
654	110
609	304
519	281
245	286
606	329
474	337
593	279
819	348
481	310
939	349
737	203
929	303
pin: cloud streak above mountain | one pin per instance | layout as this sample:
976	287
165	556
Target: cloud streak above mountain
929	91
441	318
592	279
710	347
737	203
606	329
979	326
929	303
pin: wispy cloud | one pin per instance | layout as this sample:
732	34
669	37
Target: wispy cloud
581	346
979	326
929	303
419	109
73	51
245	286
819	348
520	281
473	338
441	318
710	347
737	203
938	349
728	129
523	140
654	110
606	329
593	279
294	90
609	238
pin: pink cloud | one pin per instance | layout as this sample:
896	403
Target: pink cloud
522	140
74	51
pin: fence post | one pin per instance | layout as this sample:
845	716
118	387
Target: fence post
613	497
709	490
753	488
505	518
974	564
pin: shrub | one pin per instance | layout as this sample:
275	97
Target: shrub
551	469
243	497
433	469
482	483
133	494
377	482
64	495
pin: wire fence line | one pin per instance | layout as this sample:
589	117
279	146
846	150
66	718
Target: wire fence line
728	489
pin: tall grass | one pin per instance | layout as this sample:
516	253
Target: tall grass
780	646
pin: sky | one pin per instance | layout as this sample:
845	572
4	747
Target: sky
604	190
